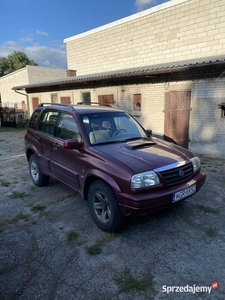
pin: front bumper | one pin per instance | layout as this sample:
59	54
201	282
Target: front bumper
145	203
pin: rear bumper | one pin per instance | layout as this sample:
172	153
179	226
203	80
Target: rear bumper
145	203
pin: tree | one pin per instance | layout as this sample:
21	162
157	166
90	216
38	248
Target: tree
3	66
13	62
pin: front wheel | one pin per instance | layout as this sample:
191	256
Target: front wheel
104	207
36	175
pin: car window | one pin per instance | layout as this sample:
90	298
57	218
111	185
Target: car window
127	123
48	121
33	119
111	127
67	128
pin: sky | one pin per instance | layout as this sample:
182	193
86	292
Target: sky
38	27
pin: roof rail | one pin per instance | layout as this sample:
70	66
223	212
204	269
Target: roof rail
90	103
70	106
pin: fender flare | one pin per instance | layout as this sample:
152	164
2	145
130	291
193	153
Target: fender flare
99	175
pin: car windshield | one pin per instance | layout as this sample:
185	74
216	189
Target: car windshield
111	127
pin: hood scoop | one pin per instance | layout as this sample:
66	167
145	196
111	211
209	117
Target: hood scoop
139	144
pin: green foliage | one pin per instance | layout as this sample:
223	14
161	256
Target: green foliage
4	183
96	248
38	208
4	66
18	195
208	209
72	236
17	218
211	232
15	61
127	282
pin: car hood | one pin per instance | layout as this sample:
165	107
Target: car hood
146	154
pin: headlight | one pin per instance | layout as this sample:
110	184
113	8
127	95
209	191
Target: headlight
144	179
196	163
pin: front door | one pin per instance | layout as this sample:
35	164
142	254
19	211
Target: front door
66	163
177	116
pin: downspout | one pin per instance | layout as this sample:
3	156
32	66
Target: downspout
28	106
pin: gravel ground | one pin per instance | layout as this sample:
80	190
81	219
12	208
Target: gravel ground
51	249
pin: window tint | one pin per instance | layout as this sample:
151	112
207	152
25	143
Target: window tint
48	121
33	119
67	128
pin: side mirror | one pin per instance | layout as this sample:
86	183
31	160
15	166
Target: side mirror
72	144
149	132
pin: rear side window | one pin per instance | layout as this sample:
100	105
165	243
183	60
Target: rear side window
48	122
67	128
33	119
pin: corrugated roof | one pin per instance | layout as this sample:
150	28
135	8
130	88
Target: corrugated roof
170	68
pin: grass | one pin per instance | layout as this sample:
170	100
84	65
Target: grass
96	248
38	208
72	236
18	195
211	232
66	196
4	183
208	209
6	129
18	217
127	282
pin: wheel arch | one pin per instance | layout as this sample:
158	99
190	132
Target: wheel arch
98	175
29	152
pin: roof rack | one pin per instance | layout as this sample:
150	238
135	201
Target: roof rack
97	103
70	106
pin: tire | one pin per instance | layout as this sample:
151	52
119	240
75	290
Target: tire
104	207
36	175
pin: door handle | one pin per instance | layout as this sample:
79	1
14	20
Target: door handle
37	137
56	146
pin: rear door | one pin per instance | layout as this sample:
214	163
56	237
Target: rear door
44	137
66	163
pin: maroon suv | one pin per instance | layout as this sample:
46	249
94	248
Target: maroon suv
110	159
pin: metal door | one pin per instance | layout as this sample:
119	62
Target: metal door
177	116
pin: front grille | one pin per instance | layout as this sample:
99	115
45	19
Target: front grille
177	175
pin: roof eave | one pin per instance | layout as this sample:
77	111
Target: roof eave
211	69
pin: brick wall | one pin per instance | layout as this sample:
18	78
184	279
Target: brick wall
175	30
208	127
29	74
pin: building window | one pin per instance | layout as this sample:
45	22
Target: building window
54	98
35	102
137	102
65	100
106	99
86	97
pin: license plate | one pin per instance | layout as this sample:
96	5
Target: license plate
184	193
